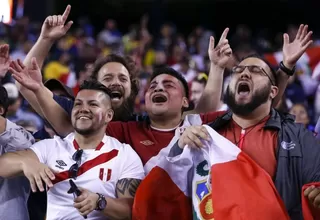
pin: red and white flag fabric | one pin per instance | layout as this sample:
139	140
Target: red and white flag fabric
221	180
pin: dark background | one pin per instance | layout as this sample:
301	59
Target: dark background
186	14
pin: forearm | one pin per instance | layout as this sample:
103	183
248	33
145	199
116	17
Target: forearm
11	165
282	81
53	112
211	95
118	209
40	50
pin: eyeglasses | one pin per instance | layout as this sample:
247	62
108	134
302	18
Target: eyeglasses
253	69
73	171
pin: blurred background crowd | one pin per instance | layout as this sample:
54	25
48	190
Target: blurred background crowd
153	41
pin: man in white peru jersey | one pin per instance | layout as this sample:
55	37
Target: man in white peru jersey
106	171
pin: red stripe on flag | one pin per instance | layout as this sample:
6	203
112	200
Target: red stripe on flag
253	193
158	198
103	158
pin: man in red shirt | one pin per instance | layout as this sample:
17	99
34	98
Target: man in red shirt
285	150
166	99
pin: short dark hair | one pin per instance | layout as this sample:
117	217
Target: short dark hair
273	72
127	62
171	72
93	84
4	100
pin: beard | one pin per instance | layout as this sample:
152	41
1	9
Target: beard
125	111
260	97
84	132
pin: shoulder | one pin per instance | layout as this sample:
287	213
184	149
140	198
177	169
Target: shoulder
116	144
211	116
11	125
119	124
48	142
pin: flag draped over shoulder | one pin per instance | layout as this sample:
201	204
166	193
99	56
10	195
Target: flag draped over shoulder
222	181
165	193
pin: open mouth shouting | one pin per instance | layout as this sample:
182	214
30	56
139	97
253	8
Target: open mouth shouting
116	95
159	98
243	89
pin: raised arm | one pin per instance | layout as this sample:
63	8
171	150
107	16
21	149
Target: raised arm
53	28
219	56
31	78
292	51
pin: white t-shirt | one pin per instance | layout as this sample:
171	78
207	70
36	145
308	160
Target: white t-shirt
99	172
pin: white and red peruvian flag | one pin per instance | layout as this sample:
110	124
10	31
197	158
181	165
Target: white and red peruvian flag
234	186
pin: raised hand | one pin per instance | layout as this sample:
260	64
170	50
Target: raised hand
4	60
30	78
55	26
294	50
220	54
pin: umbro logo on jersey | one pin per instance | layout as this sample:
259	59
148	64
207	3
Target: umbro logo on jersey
147	142
61	164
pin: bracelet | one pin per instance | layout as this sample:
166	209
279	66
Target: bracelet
285	69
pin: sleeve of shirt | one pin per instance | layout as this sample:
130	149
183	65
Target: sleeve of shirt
117	129
132	166
43	149
65	103
15	138
211	116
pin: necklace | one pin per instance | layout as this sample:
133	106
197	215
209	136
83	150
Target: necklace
243	134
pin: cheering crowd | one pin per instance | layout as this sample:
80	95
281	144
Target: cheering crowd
139	136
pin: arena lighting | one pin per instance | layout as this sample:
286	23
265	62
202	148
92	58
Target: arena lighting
6	11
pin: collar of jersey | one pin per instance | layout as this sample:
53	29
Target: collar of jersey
71	139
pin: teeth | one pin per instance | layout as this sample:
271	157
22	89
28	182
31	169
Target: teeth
83	117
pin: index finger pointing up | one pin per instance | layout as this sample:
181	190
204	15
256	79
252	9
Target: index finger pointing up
66	13
224	35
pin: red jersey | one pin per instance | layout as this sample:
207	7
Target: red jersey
146	141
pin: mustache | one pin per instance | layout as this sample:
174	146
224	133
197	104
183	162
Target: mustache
117	88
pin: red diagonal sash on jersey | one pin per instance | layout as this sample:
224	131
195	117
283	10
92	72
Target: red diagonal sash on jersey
103	158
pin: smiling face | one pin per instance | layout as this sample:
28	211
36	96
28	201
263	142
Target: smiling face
250	86
115	76
165	96
91	112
